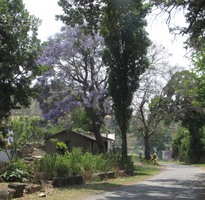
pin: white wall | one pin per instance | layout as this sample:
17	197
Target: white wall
3	156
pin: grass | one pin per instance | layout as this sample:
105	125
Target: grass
202	166
143	171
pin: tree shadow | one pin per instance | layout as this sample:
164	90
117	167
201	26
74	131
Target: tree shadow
160	189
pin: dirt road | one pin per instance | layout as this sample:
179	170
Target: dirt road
175	182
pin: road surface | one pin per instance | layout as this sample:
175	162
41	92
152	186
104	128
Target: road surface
175	182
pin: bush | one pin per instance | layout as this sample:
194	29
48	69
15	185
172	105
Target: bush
181	145
94	163
62	166
74	163
46	165
114	158
16	171
76	157
61	148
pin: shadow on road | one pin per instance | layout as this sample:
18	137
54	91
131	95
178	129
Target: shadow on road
160	189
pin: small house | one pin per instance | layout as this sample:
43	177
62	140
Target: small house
74	139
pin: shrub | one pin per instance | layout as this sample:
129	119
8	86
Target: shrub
94	163
62	166
61	148
113	158
46	165
181	145
74	163
16	171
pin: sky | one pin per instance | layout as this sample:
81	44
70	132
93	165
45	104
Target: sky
157	28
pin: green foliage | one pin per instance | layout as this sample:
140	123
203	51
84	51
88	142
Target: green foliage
31	129
47	165
18	53
180	95
3	136
202	139
63	166
61	148
114	158
75	163
80	119
122	24
94	163
181	145
199	68
123	29
16	171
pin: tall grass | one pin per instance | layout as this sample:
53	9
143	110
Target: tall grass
74	163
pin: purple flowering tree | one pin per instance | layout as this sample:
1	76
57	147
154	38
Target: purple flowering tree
77	78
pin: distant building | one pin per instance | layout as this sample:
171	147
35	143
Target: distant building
74	139
166	155
110	140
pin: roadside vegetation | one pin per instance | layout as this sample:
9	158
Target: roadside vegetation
142	169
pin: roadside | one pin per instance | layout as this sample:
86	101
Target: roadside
144	171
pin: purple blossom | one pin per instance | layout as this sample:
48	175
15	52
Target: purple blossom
77	78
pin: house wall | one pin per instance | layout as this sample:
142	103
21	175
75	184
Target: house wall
72	140
3	156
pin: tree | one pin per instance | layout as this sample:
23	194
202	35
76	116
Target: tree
122	24
195	19
19	48
123	29
80	120
149	99
77	78
87	14
199	70
182	102
181	145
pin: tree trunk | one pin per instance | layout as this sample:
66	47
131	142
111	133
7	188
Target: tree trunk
100	141
95	128
124	148
147	146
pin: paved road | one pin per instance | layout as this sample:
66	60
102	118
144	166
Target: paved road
175	182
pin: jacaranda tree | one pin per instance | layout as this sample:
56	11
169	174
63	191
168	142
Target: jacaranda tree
122	25
77	78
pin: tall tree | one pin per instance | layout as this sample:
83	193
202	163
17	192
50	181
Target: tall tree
149	100
123	29
182	101
77	78
122	24
19	48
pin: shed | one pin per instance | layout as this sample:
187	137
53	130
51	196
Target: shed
73	139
